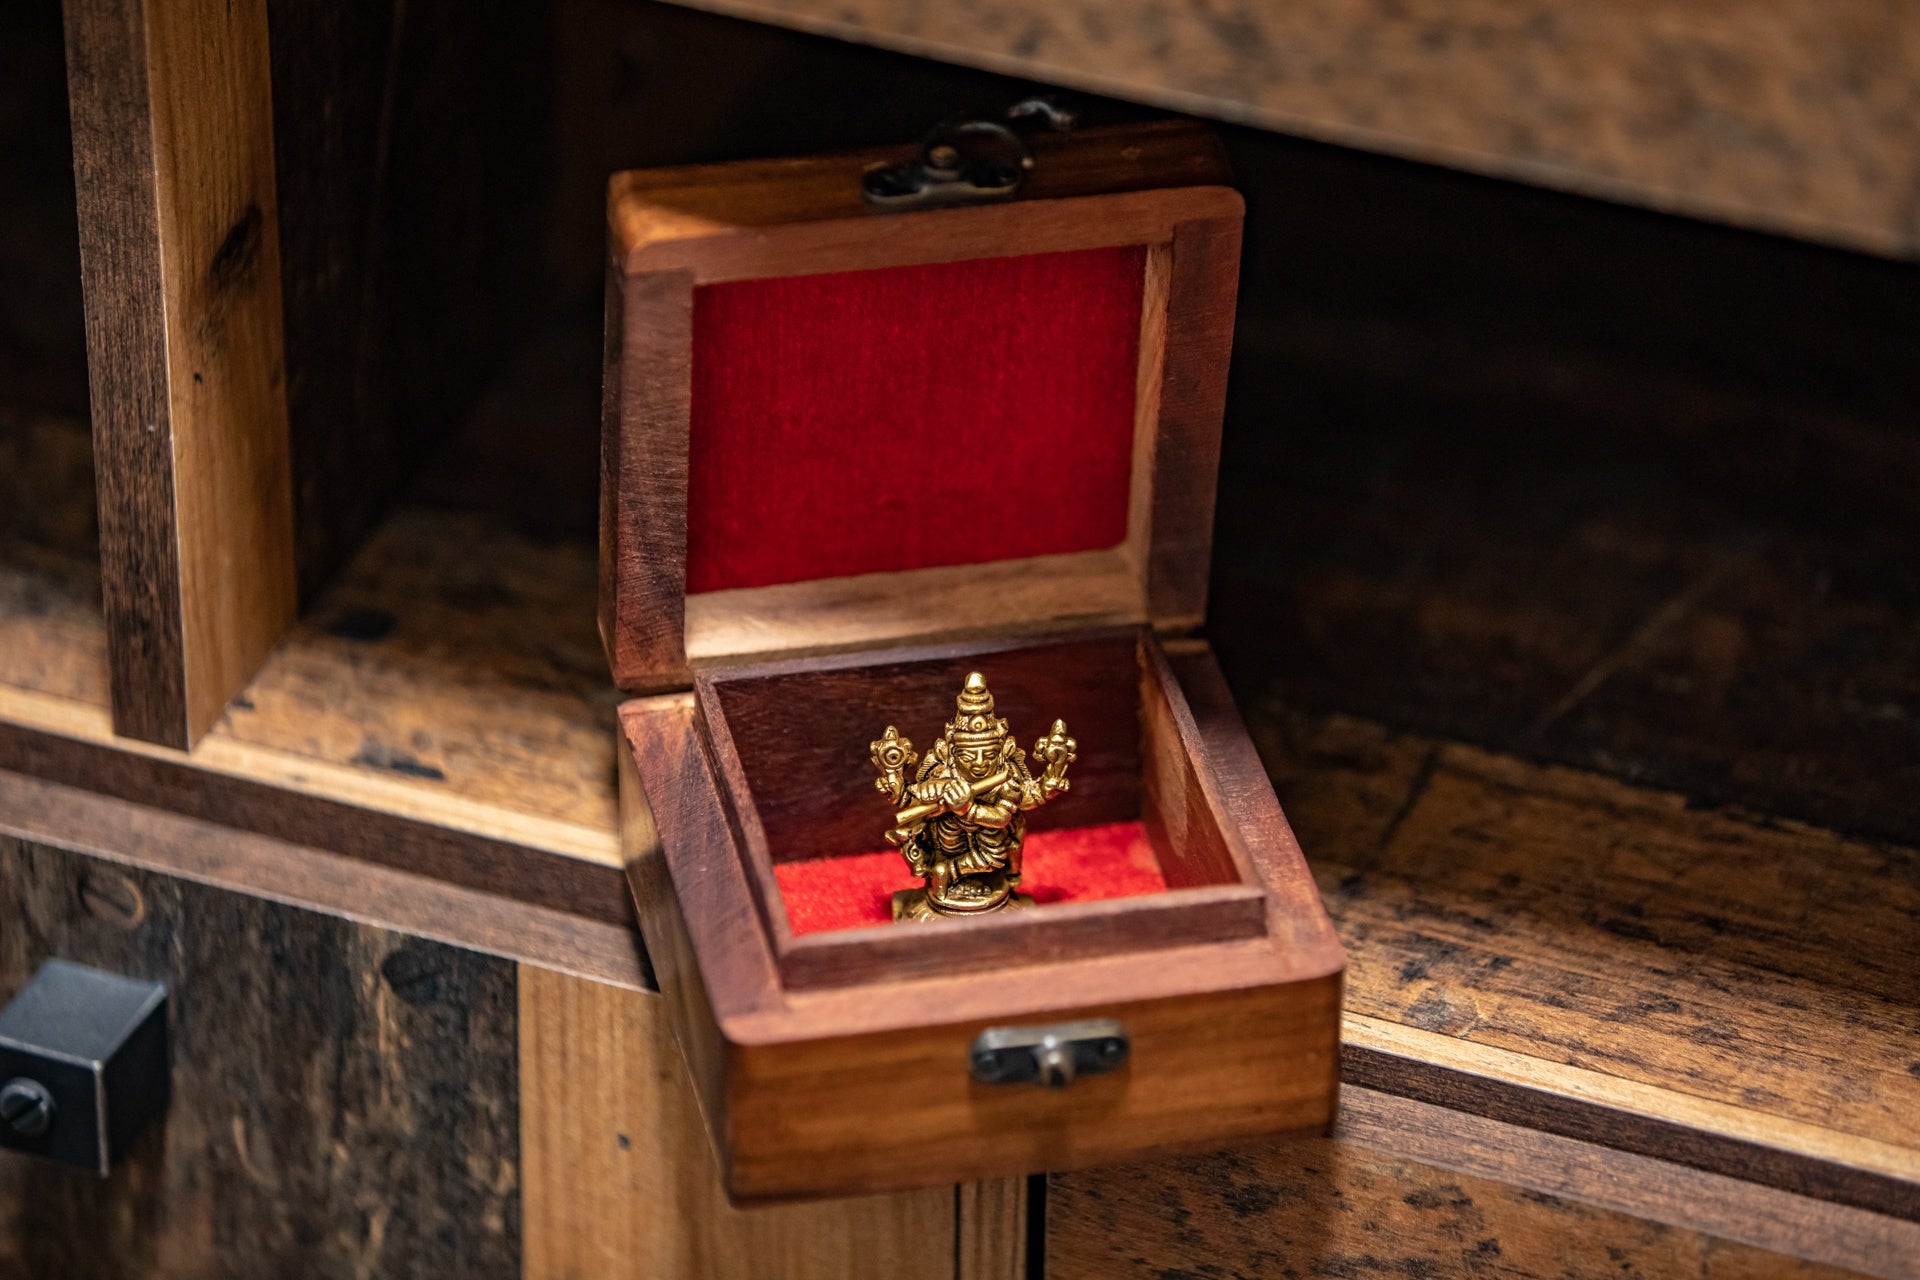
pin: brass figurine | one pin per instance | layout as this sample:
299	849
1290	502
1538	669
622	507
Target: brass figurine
961	822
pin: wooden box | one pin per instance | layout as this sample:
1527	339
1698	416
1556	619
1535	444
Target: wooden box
849	457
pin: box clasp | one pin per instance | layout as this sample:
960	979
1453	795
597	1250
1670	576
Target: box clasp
967	162
1051	1057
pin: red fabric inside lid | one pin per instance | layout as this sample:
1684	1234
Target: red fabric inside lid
1078	864
911	417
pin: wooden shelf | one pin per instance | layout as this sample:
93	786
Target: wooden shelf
1796	118
1612	947
444	707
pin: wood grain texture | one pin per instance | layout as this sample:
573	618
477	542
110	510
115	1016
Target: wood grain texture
648	394
873	610
1405	1188
363	1122
1738	977
179	252
1796	118
781	1074
620	1179
1203	274
443	710
322	880
992	1242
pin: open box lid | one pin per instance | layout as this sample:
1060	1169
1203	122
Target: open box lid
830	429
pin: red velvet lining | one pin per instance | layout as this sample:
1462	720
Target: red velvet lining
1078	864
909	417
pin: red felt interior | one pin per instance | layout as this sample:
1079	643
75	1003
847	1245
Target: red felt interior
1077	864
910	417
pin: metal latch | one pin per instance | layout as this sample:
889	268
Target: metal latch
1052	1057
968	162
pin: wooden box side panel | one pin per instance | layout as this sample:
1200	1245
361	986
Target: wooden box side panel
666	795
645	398
1202	288
1238	786
1191	835
873	1113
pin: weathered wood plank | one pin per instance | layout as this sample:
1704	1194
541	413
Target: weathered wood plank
344	1098
621	1180
173	160
1405	1188
1574	921
509	922
445	709
455	656
1798	117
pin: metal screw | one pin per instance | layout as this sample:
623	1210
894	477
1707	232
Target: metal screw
115	898
26	1107
1057	1065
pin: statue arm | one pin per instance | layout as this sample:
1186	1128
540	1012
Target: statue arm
998	814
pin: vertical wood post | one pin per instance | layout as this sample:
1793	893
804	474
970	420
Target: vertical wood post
180	258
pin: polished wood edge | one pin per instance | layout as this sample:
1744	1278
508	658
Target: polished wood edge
1239	785
1609	1177
749	834
1071	930
1202	286
840	615
646	408
1170	698
317	879
721	671
1637	1133
701	200
863	243
538	877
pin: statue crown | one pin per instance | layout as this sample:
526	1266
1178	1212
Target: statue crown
975	722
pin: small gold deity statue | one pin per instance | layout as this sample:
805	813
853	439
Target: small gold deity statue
963	819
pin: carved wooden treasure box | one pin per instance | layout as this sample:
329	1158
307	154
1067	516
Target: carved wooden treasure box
850	457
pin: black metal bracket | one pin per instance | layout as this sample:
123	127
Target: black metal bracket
83	1065
1052	1057
967	162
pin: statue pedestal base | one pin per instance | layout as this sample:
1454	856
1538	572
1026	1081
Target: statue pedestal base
913	904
